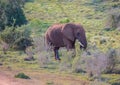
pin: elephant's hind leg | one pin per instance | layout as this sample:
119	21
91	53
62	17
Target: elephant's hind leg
56	53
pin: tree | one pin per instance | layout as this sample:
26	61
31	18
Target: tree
11	13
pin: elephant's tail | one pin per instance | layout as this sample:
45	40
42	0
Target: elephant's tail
45	44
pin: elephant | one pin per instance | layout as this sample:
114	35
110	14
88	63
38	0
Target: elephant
65	35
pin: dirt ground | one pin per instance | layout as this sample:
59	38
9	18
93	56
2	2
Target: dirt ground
39	78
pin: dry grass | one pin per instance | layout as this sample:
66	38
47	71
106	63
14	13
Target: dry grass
66	63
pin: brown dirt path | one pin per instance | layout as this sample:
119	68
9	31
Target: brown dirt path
7	80
40	78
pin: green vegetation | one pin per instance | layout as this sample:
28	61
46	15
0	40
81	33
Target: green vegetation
22	75
17	39
11	13
113	79
99	21
50	83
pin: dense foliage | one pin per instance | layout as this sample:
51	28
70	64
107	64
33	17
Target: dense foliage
11	13
18	39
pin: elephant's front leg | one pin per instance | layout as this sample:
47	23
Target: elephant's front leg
56	53
71	48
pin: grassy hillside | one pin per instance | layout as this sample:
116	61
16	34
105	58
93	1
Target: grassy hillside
93	16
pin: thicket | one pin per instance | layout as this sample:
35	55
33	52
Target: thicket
113	19
11	18
17	39
11	13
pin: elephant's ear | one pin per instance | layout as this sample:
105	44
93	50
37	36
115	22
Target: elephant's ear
67	31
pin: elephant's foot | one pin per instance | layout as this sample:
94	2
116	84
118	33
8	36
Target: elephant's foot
57	58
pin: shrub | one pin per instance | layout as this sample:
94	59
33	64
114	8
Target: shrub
9	36
4	46
22	43
29	52
11	13
113	61
76	65
17	39
113	19
66	62
22	75
43	58
40	51
38	43
93	62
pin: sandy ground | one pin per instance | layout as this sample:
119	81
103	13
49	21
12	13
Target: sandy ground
39	78
7	80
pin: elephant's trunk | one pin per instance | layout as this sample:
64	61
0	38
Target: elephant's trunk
83	44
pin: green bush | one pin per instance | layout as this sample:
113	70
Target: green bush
113	19
16	38
113	61
11	13
22	75
9	36
22	43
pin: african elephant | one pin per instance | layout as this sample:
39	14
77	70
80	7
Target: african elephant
65	35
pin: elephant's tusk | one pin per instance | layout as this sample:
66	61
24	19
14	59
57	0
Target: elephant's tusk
81	44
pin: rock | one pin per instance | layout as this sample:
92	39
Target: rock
1	64
29	59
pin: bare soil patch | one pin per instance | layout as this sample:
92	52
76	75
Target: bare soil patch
39	78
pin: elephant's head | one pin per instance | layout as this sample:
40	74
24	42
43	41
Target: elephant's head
81	36
75	31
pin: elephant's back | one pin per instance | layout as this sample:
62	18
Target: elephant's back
55	35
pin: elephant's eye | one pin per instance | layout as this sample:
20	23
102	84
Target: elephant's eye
78	34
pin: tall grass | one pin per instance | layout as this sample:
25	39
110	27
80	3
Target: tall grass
113	61
66	62
94	62
40	52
